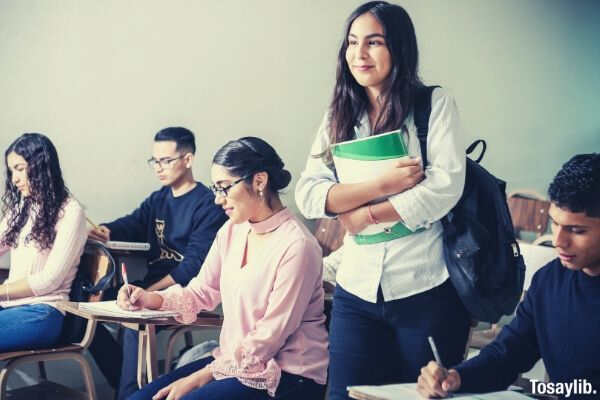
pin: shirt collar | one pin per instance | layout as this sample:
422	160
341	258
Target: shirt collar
271	223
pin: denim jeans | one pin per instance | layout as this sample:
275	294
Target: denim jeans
26	327
386	342
291	387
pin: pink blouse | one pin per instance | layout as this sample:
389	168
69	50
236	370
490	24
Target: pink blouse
273	309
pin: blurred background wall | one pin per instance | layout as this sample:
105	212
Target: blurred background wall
101	77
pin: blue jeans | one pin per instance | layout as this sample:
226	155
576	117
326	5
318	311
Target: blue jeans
291	387
386	342
28	327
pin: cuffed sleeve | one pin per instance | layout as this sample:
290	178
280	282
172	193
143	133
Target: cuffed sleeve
438	193
316	178
202	293
71	235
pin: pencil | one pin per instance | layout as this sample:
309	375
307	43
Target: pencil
92	223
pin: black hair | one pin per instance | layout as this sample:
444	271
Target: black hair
183	138
48	192
350	100
246	156
576	187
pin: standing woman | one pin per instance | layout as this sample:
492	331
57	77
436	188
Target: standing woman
44	230
391	295
265	268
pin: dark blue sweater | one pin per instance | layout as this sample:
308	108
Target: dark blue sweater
559	321
180	231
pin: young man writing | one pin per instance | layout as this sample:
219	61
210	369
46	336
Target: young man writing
559	318
180	222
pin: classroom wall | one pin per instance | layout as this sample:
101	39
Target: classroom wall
101	77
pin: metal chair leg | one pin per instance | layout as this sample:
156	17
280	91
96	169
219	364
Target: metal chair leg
42	371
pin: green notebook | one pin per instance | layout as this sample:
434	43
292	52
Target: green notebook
384	146
361	160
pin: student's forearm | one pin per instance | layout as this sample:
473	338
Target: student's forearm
15	290
164	283
345	197
385	212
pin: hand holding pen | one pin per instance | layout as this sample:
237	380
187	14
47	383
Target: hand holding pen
435	380
134	298
129	295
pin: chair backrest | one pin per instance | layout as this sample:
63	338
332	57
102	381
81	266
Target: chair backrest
330	234
95	273
529	212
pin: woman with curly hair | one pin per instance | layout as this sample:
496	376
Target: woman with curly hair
44	229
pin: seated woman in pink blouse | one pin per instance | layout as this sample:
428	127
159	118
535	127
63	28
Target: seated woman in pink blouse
265	268
44	230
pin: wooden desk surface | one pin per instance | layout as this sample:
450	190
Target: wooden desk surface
204	318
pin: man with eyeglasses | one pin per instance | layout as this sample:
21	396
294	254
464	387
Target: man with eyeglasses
180	222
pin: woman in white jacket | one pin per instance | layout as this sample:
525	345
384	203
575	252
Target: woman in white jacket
393	289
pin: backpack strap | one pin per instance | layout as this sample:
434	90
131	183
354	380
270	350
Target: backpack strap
421	113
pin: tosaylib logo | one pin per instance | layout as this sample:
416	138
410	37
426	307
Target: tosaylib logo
566	389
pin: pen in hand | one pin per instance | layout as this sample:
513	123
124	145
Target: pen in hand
125	280
435	352
438	360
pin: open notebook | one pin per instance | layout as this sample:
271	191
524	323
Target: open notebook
408	391
111	309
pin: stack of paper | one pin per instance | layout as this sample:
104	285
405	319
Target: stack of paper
408	391
111	309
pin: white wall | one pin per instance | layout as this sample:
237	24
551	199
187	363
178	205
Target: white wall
101	77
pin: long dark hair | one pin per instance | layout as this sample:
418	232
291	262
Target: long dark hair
47	192
248	155
350	99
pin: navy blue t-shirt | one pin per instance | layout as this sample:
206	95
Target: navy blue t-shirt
180	231
559	321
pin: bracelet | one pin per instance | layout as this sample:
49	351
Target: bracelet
372	218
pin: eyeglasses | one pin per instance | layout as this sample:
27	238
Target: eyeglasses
224	191
164	163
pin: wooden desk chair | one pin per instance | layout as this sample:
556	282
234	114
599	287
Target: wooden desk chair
529	212
330	234
95	269
176	332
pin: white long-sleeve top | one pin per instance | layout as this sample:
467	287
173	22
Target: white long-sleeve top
414	263
49	272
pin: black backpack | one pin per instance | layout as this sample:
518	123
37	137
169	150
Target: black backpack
482	255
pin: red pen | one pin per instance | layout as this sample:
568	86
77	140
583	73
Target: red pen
124	275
